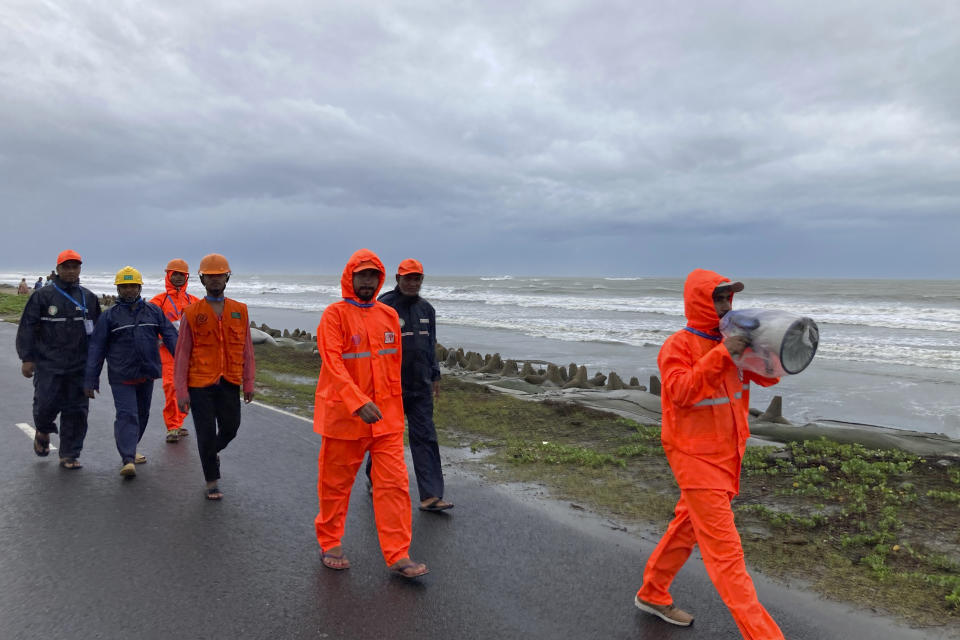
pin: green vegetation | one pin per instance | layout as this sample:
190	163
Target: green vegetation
876	528
11	306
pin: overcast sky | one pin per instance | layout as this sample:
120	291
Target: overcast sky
553	137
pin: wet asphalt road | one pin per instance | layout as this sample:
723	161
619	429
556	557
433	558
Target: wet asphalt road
87	554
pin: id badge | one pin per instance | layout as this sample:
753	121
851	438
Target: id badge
88	325
176	325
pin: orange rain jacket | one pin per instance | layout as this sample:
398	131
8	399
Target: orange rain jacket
705	397
359	343
173	301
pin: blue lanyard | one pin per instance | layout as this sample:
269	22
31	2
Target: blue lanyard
702	334
82	305
176	310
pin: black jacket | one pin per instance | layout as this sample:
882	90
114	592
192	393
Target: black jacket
126	335
418	329
52	333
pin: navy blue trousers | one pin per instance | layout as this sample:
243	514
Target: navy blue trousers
61	393
132	402
422	434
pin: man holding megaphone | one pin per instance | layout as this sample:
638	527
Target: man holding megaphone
705	399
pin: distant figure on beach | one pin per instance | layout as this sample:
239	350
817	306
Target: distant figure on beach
359	409
52	343
705	401
420	379
173	302
23	288
38	283
214	358
51	276
126	336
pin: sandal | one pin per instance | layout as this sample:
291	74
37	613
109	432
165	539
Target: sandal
435	505
182	432
139	458
173	435
407	568
41	447
214	493
335	561
70	463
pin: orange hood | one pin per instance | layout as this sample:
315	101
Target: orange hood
698	299
346	280
172	290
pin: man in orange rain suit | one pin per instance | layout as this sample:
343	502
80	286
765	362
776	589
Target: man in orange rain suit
359	409
172	302
705	400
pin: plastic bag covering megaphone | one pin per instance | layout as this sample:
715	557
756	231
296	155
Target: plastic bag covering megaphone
781	343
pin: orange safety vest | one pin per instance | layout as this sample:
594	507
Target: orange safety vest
705	397
218	342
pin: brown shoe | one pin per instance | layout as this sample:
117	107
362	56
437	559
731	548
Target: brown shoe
666	612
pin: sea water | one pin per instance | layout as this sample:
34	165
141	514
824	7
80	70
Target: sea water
889	350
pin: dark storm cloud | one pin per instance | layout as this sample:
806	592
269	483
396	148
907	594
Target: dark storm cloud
552	137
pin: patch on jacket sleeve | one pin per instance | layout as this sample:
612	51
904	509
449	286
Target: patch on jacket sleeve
389	337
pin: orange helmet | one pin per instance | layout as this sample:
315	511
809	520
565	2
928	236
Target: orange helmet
178	265
214	263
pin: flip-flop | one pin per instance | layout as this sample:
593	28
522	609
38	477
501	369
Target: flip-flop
70	463
139	458
40	447
214	493
173	436
344	564
402	570
435	505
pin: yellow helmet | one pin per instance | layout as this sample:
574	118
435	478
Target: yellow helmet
128	275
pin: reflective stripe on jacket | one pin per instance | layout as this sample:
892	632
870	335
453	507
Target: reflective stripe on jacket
705	397
218	342
359	343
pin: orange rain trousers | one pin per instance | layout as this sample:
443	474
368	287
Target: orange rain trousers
172	416
704	517
338	464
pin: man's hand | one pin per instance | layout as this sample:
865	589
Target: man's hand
436	389
248	396
27	369
736	344
90	393
369	413
183	405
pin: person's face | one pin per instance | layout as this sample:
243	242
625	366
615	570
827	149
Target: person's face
178	279
69	271
128	291
722	301
365	283
215	283
409	283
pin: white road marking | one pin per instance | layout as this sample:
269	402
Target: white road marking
31	432
286	413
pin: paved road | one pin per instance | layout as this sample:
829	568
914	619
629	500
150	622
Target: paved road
86	554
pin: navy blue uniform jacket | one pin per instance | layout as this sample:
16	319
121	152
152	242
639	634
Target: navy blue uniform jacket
418	330
51	333
126	336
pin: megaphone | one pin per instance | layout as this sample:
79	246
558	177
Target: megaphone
780	343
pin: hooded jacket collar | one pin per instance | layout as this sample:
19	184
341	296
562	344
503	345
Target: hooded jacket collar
346	280
698	300
172	290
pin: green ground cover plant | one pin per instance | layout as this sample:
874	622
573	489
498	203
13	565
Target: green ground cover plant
11	306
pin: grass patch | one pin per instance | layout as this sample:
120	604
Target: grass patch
11	306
